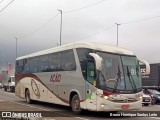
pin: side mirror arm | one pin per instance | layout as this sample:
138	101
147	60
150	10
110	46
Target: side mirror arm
97	59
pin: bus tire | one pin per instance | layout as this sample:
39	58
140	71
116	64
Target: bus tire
5	88
75	104
28	98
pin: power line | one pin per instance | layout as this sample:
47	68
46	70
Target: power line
85	6
56	16
94	34
140	20
24	36
1	1
6	5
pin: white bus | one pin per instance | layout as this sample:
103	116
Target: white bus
82	75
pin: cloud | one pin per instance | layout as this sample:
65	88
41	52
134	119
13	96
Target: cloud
23	17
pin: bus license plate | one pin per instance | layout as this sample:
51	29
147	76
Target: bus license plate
125	106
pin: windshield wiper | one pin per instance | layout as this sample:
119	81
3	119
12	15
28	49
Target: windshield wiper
131	80
118	79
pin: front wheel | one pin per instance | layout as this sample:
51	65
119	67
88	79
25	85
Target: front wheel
75	104
28	99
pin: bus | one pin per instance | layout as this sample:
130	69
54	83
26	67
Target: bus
84	76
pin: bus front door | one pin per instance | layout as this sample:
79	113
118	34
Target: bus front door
91	99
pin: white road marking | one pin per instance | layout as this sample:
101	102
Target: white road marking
29	106
46	109
81	118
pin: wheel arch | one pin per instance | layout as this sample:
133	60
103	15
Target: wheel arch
72	93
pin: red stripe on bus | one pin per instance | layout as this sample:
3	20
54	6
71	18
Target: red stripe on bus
82	100
106	93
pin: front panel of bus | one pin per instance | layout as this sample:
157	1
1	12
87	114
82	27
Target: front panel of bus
117	86
120	81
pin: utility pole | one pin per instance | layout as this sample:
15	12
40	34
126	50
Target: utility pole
117	32
60	27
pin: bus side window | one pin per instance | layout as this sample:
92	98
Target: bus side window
90	70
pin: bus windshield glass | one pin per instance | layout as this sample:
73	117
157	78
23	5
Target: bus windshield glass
119	73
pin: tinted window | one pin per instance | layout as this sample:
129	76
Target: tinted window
34	65
83	55
54	62
90	72
19	66
64	61
26	65
68	61
43	63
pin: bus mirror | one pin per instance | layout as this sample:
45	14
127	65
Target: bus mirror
143	62
97	59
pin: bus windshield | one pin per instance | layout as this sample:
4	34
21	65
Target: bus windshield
119	73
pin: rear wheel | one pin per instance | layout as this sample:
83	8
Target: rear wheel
75	104
28	99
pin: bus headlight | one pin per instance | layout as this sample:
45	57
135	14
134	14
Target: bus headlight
105	97
102	105
140	97
102	96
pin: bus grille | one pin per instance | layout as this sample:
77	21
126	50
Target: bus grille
125	101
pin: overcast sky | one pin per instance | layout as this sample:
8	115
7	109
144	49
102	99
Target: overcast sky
35	24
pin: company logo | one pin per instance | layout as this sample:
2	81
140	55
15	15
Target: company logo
35	88
6	114
20	115
55	78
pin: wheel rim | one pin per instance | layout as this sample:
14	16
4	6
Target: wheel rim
76	105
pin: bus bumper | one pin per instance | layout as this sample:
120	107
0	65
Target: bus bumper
112	106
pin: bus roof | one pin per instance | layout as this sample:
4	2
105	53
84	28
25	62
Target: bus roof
90	45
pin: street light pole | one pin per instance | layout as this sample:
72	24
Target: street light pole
60	27
0	60
16	45
117	32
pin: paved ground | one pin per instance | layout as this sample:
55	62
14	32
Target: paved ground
12	104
